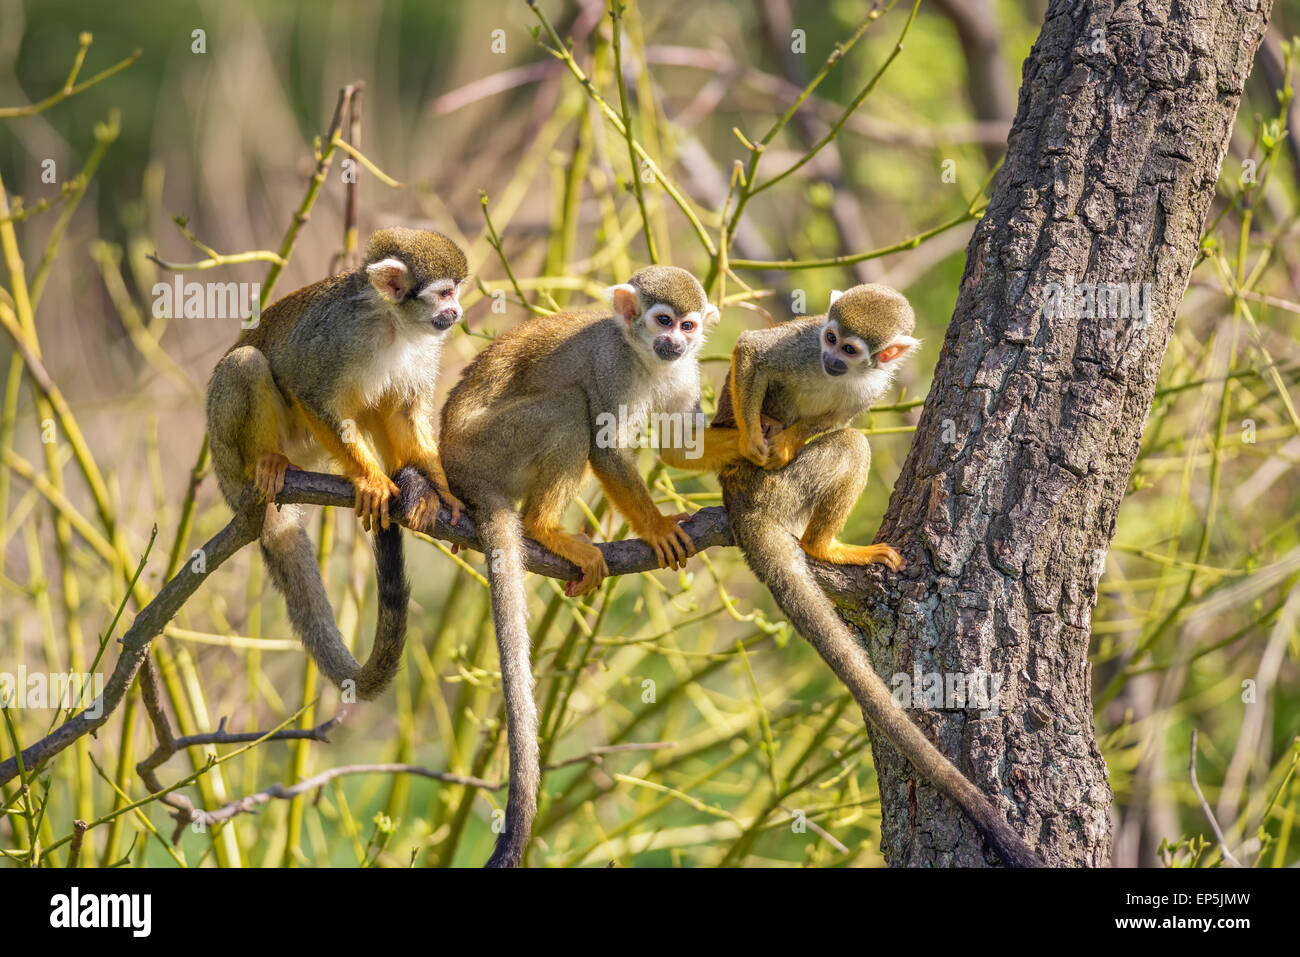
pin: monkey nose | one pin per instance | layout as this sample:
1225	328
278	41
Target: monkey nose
665	348
834	365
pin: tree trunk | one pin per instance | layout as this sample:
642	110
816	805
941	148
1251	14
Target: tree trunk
1006	504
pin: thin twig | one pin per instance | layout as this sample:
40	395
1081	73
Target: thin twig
279	791
1205	807
13	112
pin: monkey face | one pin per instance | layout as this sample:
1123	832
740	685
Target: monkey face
670	335
442	299
434	305
843	352
869	325
660	328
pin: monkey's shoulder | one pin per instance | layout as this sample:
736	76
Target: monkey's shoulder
522	359
278	320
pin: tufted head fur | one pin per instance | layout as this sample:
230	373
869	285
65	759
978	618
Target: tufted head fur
419	273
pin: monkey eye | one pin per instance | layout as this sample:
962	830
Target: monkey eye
850	350
687	326
665	320
830	337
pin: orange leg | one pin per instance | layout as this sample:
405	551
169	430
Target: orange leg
626	489
410	435
541	518
354	455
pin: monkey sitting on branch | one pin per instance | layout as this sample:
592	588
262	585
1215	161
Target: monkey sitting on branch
788	494
342	370
532	412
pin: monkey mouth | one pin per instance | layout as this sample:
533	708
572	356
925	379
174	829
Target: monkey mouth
668	352
445	319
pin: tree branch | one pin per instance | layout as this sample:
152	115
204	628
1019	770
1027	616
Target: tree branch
251	801
707	528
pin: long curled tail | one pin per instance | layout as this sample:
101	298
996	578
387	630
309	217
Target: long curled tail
776	558
502	537
292	563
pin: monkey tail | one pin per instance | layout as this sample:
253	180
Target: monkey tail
291	561
501	535
777	560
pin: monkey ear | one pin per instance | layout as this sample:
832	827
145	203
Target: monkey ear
391	278
709	314
625	300
898	347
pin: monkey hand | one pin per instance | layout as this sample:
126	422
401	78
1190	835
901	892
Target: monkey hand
373	495
671	543
784	447
426	509
753	446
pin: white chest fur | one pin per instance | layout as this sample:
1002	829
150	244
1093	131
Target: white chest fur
841	397
404	363
661	388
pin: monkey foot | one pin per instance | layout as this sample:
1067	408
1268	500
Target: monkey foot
269	477
425	510
671	544
838	553
591	560
454	505
374	492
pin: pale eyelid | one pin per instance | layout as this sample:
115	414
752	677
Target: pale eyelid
434	290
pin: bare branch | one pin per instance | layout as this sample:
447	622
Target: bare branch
1205	806
279	791
707	528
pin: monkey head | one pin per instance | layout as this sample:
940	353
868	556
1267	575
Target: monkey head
664	311
419	274
867	328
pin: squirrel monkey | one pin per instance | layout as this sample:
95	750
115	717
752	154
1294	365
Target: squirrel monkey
789	494
547	399
342	369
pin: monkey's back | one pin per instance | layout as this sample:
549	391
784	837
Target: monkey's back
529	359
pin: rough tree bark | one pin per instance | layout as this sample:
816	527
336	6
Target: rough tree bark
1007	501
